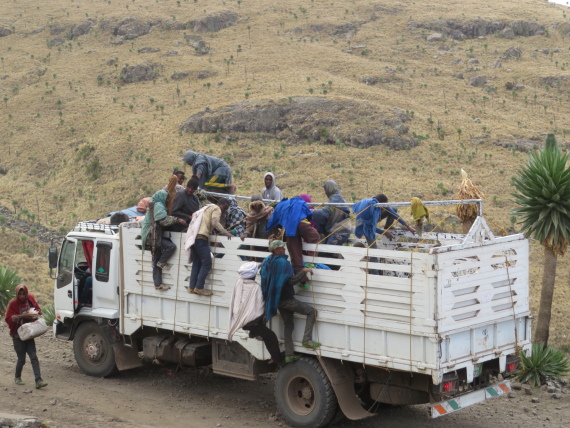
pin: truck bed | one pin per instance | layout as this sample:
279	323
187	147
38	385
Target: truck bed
437	306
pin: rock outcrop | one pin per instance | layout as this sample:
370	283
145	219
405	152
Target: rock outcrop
214	22
138	73
461	29
131	28
355	123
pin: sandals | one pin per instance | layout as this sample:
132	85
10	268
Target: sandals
40	384
202	292
291	358
19	381
311	344
191	290
163	287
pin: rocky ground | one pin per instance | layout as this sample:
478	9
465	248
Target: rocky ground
154	396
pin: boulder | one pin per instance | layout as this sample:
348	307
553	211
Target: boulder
180	75
496	64
435	37
508	33
56	41
81	29
138	73
56	29
345	30
205	74
149	50
512	52
131	28
478	81
4	31
214	22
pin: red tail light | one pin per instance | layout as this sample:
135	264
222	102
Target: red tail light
447	387
511	367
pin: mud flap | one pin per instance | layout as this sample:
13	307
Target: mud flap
126	357
342	380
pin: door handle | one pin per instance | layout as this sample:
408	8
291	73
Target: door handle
69	294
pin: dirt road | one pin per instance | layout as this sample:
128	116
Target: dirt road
154	396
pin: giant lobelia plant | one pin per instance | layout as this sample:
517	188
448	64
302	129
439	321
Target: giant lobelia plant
543	199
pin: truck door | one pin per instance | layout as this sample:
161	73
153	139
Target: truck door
64	293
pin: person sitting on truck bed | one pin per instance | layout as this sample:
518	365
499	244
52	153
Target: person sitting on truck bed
162	245
257	218
333	222
277	282
271	191
235	218
247	311
185	204
180	177
197	242
213	174
294	216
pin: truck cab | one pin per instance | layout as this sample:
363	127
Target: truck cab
87	277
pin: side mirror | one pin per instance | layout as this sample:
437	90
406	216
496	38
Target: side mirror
52	257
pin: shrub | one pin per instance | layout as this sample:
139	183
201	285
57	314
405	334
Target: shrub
544	361
49	314
9	279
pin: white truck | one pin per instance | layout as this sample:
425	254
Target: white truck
438	319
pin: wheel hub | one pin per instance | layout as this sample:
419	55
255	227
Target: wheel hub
93	349
307	393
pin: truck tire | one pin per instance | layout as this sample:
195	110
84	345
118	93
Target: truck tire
93	350
304	394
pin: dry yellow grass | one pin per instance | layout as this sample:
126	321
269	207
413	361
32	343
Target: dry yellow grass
47	176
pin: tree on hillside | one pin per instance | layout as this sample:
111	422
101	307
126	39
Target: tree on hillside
543	199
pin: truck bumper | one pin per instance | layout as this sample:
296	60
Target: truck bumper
457	403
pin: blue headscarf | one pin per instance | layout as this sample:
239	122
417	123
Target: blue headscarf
367	218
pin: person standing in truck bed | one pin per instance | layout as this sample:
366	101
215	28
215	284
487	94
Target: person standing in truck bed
185	204
333	222
277	285
214	174
162	245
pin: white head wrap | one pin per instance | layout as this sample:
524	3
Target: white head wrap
248	270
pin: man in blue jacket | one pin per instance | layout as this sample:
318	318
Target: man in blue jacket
293	215
368	217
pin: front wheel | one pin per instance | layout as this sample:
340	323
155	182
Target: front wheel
93	350
304	394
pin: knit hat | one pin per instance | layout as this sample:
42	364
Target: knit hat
276	244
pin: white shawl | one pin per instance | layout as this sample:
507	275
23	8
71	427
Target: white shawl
246	304
192	231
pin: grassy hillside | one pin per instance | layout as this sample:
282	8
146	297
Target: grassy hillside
76	141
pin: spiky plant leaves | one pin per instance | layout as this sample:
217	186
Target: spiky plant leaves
544	362
9	279
543	197
48	313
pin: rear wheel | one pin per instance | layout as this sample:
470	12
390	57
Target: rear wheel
304	394
93	350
